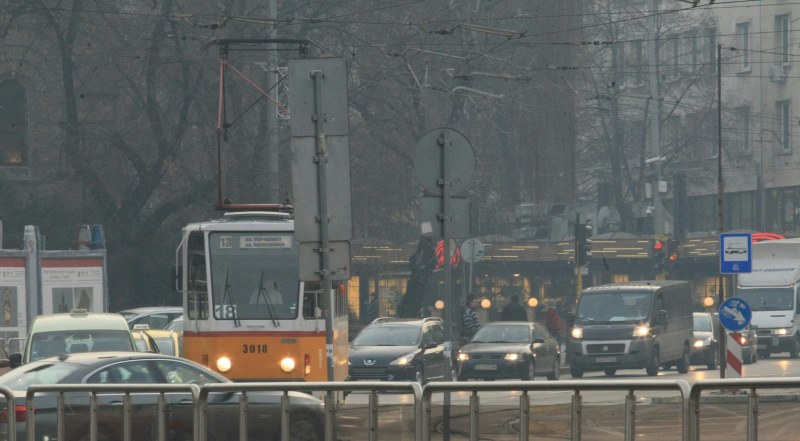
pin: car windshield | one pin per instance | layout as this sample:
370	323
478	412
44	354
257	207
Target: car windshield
702	323
388	336
42	372
48	344
502	334
608	307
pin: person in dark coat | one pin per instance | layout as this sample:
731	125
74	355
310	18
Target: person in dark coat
470	322
513	311
373	309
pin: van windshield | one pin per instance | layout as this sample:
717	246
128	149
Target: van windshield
768	299
614	307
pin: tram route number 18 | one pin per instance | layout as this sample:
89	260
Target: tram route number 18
225	311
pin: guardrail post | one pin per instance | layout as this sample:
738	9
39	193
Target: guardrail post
243	413
524	415
577	401
330	417
162	415
474	416
630	416
285	416
373	415
752	415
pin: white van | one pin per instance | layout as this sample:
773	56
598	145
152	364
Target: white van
772	290
77	331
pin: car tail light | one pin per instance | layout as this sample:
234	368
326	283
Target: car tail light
20	411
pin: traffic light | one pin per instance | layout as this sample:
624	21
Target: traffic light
583	244
672	250
657	253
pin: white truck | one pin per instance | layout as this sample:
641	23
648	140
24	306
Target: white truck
772	290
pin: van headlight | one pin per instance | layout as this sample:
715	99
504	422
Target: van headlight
641	331
404	360
577	333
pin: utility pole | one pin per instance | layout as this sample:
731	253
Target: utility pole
273	167
723	360
655	120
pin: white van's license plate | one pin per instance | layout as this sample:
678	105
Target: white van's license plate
605	359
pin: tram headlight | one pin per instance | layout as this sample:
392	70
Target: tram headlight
287	364
224	364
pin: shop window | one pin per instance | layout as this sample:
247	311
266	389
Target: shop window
13	124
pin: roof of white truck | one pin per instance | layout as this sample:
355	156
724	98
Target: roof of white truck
775	263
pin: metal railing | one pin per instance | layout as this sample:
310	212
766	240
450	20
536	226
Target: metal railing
422	401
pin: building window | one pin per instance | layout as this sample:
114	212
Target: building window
782	41
783	128
711	39
743	43
13	124
741	130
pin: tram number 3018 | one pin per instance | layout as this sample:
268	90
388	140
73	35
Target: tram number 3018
254	349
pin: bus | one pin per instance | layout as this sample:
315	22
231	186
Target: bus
247	314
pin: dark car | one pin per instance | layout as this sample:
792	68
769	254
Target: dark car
749	342
705	345
510	350
264	410
398	350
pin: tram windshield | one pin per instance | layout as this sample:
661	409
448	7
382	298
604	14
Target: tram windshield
254	275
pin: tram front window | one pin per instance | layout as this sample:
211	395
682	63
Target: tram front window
254	276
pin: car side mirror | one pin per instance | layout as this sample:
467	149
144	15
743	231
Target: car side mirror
431	345
15	360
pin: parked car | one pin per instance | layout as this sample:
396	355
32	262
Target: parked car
398	350
510	350
176	324
156	317
162	341
73	332
705	346
264	410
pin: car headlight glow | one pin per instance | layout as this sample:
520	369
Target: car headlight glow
512	357
641	331
404	360
780	331
699	343
577	333
287	364
224	364
463	356
743	340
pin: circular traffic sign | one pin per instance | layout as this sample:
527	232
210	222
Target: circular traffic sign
442	148
472	250
735	314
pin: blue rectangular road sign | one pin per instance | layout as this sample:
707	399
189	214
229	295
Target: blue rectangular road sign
735	253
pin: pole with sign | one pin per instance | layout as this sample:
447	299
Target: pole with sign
735	256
